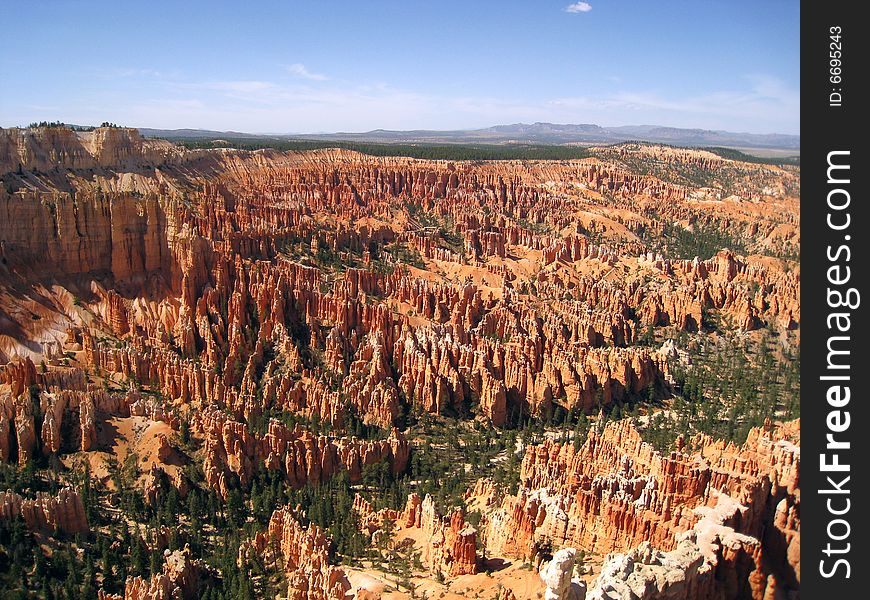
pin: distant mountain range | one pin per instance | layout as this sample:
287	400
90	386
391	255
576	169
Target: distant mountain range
520	133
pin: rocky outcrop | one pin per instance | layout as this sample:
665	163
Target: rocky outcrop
450	547
46	513
506	593
302	554
46	148
613	493
302	458
20	406
452	543
55	411
711	560
558	575
182	578
118	233
617	491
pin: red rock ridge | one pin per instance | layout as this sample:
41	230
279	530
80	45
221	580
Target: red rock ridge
181	579
450	547
302	457
46	513
617	491
302	554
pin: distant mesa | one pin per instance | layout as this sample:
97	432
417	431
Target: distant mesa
535	133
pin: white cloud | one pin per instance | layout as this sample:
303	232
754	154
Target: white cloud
766	105
299	70
578	7
137	73
238	87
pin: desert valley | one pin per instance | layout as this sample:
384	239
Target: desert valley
324	374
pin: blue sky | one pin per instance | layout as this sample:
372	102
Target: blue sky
293	67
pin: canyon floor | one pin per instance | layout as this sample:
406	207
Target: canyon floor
322	375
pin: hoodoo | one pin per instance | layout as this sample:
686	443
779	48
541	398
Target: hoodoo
323	374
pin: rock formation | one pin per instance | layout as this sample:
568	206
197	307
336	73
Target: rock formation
302	552
289	313
617	491
182	578
557	576
711	560
299	455
46	513
450	547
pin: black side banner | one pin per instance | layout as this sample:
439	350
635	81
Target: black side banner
834	261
